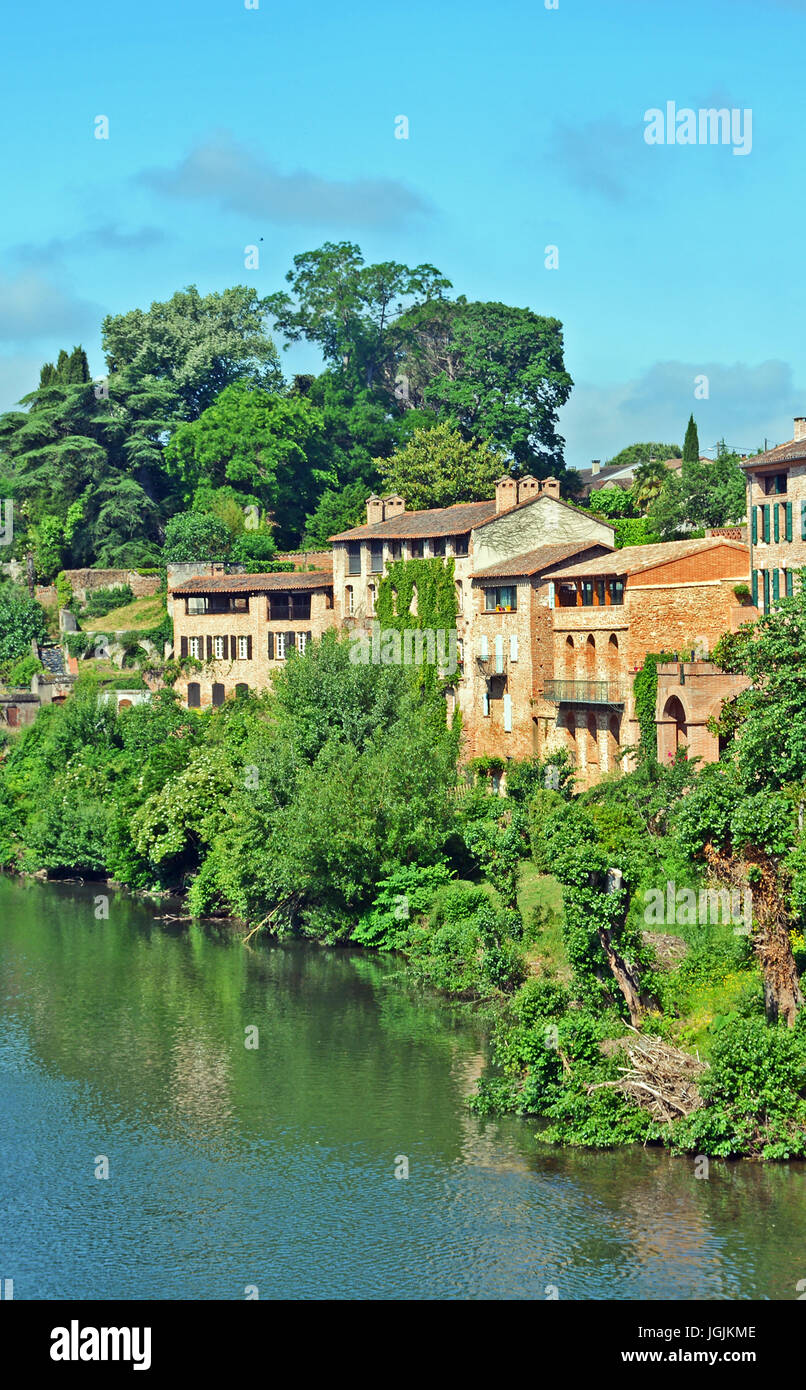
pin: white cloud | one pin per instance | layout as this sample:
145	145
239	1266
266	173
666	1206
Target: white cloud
32	307
746	404
224	172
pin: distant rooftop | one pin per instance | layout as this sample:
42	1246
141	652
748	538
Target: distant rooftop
255	583
635	558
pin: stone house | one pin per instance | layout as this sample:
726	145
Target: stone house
609	614
525	521
690	693
776	505
240	628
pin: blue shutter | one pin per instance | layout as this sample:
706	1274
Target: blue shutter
766	592
776	522
789	576
803	521
754	520
755	588
766	513
776	586
788	521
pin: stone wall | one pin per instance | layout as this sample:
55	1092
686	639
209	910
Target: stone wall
83	582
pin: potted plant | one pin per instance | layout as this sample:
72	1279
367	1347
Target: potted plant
743	594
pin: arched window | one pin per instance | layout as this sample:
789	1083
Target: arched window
194	695
569	658
592	740
349	599
590	658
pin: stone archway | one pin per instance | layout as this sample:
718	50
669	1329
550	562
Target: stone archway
672	730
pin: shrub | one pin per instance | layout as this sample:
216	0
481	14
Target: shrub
21	673
99	602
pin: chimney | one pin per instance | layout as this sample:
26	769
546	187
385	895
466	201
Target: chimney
528	488
374	510
800	428
551	487
393	506
595	466
506	494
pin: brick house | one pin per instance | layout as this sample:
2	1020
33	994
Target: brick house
608	615
776	504
690	693
242	626
525	519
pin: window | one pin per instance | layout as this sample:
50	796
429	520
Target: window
241	689
218	648
349	599
279	646
599	586
587	593
395	550
371	600
194	644
194	695
195	605
376	557
294	606
774	483
243	648
416	550
438	545
616	591
218	694
303	638
503	598
459	596
353	557
461	544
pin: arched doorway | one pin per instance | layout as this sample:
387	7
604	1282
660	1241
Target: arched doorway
612	657
675	728
570	656
218	694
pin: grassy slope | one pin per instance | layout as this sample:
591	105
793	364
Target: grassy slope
139	616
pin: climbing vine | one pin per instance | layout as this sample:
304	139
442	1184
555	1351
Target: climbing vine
432	581
645	691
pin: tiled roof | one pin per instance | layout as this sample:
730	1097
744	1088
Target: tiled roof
782	453
436	521
255	583
534	561
635	558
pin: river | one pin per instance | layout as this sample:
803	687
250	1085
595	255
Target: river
269	1170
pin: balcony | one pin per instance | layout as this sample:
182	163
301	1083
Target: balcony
584	692
492	666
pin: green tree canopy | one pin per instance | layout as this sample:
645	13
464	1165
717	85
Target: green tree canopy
196	536
691	443
438	467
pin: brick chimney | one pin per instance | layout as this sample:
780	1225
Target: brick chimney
393	506
595	466
506	494
551	487
800	428
374	510
528	488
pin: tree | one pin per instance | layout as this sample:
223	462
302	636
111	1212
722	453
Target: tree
643	453
337	510
612	502
194	536
22	621
703	495
198	343
438	467
649	480
348	308
496	370
691	443
265	445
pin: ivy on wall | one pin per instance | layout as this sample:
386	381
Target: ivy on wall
432	581
645	691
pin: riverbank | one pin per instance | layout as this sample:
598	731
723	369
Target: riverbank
334	810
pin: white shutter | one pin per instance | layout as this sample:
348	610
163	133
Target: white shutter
552	600
484	647
499	653
507	714
486	702
513	647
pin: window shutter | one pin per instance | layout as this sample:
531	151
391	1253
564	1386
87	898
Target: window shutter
226	649
776	586
183	646
507	714
513	647
766	512
755	588
290	642
233	647
486	702
754	519
789	521
271	646
209	648
499	653
249	648
776	522
803	521
484	647
789	576
766	592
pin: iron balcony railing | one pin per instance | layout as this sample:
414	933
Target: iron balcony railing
584	692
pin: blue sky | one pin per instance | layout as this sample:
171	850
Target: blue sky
526	129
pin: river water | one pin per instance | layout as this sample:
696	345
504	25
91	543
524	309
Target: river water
273	1167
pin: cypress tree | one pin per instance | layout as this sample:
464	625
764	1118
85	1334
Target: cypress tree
47	374
691	443
78	368
61	365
